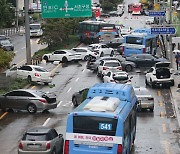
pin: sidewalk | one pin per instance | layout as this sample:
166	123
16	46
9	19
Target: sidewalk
175	93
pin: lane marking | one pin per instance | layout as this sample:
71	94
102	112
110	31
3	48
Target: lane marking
69	90
47	120
16	51
59	103
23	48
83	70
160	103
164	128
162	114
77	79
159	93
33	87
4	114
53	70
167	147
21	62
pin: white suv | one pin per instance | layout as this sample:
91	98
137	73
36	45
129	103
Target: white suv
159	75
102	49
34	73
108	65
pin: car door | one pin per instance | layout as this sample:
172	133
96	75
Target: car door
56	55
149	74
10	100
149	61
100	68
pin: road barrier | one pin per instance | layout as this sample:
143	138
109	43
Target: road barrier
9	31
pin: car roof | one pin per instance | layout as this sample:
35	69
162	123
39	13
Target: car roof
111	61
35	66
38	130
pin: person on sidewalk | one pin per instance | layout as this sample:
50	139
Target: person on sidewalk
177	57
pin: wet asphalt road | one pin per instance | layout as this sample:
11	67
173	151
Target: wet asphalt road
155	131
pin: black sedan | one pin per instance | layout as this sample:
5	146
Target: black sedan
145	60
126	65
30	100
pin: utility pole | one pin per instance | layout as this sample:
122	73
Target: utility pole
170	39
17	15
27	32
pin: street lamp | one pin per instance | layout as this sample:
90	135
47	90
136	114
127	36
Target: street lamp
17	16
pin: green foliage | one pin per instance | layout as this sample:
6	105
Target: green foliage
7	14
57	31
108	5
5	58
15	84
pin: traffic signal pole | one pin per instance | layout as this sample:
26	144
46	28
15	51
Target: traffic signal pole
27	33
170	39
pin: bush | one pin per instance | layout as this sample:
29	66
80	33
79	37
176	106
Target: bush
5	58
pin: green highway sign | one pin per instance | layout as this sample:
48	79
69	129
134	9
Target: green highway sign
66	8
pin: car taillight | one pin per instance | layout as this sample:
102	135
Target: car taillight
20	145
111	80
144	50
150	99
48	146
105	68
36	74
119	68
66	147
122	49
119	150
42	100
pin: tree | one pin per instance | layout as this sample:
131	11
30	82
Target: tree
55	31
7	14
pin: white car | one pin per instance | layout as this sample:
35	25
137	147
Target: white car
117	77
35	30
86	53
108	65
125	31
102	49
149	20
145	99
159	75
62	55
34	73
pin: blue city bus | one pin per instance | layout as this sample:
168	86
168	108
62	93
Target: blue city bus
105	123
140	41
96	31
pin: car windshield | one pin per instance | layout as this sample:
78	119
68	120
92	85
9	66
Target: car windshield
39	69
112	64
33	27
35	137
5	42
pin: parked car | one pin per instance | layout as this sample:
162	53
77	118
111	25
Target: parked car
62	55
126	65
117	77
145	60
34	73
6	45
115	43
4	37
108	65
145	99
86	53
79	97
125	30
102	49
159	75
41	140
27	99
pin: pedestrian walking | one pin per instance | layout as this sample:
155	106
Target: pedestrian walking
177	57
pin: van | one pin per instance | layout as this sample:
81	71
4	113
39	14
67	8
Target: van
35	30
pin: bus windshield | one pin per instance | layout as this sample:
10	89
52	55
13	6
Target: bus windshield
134	40
94	125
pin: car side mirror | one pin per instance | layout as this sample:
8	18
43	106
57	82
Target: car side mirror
60	135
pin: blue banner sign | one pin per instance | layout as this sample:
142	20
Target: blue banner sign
157	13
163	30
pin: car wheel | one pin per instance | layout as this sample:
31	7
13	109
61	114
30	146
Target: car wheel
152	110
112	53
31	108
46	83
86	58
46	58
102	54
152	84
29	79
146	82
54	151
128	68
64	60
74	100
98	74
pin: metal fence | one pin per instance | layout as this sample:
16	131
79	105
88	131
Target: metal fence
9	31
